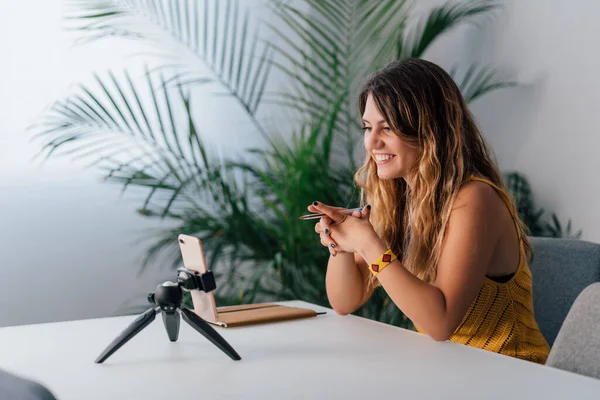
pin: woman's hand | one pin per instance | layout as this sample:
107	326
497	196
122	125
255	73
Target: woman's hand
340	232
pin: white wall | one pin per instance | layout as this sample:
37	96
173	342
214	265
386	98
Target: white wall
66	246
548	128
68	243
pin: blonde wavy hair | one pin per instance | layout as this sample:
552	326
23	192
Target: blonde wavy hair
424	107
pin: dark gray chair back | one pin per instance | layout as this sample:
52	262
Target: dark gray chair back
577	346
561	270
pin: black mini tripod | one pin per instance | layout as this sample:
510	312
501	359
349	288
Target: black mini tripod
168	297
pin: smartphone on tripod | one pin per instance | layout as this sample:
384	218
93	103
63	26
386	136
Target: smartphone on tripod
205	305
168	297
192	253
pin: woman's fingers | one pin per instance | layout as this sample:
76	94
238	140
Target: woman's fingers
331	212
325	223
326	241
366	212
332	217
314	209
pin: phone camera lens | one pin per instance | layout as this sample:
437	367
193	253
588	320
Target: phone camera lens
181	241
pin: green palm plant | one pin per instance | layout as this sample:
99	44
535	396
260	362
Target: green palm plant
245	211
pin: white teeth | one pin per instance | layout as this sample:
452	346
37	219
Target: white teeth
383	157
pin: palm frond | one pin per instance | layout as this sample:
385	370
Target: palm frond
479	80
136	142
194	25
375	24
326	56
440	20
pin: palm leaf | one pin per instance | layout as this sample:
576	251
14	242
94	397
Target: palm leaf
328	58
440	20
194	25
135	142
333	50
478	81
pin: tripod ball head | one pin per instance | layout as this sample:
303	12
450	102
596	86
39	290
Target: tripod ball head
167	295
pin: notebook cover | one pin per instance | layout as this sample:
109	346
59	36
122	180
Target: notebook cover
249	314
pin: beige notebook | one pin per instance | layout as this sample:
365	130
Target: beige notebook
250	314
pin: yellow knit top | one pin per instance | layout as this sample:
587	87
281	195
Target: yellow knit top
501	318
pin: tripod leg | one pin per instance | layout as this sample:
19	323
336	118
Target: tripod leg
171	321
209	332
133	329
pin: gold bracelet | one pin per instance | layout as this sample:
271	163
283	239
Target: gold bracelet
382	262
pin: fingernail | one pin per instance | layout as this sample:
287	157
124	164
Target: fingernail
315	203
332	245
326	231
369	207
360	209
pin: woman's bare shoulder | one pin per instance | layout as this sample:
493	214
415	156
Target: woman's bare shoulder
482	196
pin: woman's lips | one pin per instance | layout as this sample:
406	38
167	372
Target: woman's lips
381	159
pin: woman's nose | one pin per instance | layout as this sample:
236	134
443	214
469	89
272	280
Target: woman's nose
373	140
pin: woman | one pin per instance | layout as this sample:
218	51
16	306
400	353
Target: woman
439	233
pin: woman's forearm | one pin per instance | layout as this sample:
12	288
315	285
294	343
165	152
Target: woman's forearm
420	301
344	283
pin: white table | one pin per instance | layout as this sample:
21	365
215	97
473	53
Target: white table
326	357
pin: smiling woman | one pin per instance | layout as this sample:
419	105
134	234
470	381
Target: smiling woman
439	233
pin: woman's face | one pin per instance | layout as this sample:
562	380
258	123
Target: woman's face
394	157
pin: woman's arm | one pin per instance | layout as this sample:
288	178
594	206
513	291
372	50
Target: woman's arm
471	237
346	282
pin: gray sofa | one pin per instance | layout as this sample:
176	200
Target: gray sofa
561	270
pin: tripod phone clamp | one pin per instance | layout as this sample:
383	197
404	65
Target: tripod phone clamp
168	298
192	280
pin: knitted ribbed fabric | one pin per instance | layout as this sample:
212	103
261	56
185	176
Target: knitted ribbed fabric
501	318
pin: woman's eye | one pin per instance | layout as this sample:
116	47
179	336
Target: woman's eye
366	128
387	129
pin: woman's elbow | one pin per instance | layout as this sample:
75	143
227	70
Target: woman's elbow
439	334
342	310
439	337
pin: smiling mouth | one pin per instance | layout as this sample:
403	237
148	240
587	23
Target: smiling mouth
383	158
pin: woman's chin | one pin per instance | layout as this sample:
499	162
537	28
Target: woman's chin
388	175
